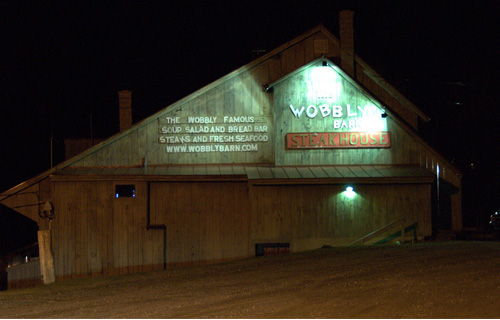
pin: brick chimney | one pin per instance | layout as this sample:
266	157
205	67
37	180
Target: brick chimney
347	41
125	105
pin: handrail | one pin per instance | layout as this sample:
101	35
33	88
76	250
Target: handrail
381	230
397	234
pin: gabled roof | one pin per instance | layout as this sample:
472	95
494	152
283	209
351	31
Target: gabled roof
378	79
176	105
319	29
370	96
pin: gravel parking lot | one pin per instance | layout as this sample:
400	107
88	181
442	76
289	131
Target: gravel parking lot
428	280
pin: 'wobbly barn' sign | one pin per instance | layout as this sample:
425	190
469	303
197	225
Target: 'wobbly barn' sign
367	119
323	109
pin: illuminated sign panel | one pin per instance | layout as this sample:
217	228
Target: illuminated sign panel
322	108
338	140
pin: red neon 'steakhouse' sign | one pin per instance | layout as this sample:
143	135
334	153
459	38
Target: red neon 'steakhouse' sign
338	140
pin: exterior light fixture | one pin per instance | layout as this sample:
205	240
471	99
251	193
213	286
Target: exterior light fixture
326	84
267	88
349	192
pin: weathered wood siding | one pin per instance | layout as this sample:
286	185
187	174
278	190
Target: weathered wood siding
95	233
309	216
206	221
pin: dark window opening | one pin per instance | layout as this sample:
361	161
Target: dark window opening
125	191
266	249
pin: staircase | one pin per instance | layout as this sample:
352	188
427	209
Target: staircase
398	225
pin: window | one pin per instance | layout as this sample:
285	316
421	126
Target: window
125	191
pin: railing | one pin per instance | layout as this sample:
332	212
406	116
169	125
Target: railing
368	237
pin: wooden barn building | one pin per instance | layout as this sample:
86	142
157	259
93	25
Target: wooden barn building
259	161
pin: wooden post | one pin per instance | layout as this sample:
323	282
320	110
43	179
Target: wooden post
46	257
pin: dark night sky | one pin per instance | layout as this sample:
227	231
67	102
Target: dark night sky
62	61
